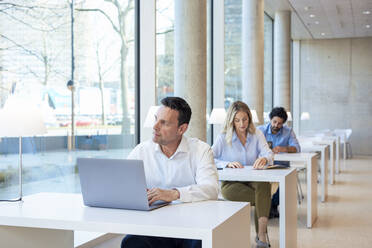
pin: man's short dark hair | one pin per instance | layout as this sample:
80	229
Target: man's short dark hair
179	104
280	112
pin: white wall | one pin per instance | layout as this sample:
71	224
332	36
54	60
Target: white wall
336	87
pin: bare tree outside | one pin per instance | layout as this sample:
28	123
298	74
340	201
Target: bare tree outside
120	26
45	20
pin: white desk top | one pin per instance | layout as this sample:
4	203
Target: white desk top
67	212
310	147
302	156
317	140
249	174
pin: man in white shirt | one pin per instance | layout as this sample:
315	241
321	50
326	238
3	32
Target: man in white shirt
176	168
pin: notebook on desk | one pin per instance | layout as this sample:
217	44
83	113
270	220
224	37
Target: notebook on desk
114	183
279	165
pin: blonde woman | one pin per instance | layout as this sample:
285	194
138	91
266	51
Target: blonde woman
241	144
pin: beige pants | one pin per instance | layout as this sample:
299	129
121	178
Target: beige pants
257	193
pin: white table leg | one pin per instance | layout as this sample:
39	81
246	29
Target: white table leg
324	174
21	237
235	232
344	148
312	191
338	170
288	211
332	160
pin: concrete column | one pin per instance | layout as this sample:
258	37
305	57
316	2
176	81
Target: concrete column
253	55
282	59
296	107
190	60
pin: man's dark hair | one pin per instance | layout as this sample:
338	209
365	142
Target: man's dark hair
280	112
179	104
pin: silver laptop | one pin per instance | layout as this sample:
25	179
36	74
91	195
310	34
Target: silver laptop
114	183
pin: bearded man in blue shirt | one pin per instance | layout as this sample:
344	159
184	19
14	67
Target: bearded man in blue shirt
280	138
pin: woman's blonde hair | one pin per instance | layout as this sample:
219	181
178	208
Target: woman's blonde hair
229	128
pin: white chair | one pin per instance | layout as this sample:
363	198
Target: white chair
345	135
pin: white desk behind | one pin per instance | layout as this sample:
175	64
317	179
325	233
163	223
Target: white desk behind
324	150
47	219
311	174
287	179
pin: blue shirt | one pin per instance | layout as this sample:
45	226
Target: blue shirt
255	147
285	136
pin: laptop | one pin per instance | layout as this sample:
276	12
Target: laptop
114	183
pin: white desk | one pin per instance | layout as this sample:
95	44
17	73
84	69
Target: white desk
48	220
287	196
311	175
332	148
324	150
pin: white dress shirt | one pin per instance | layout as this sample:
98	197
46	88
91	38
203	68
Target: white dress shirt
190	170
255	147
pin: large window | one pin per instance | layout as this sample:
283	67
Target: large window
164	48
233	48
233	58
35	63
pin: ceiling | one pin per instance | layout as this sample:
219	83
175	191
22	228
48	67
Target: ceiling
326	19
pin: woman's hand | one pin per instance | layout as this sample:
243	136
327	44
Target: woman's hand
234	165
260	163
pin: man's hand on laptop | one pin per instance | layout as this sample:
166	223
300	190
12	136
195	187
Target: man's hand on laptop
156	194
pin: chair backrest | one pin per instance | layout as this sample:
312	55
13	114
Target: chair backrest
343	133
348	133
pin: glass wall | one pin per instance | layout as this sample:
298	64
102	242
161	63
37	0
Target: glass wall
233	48
164	49
233	59
36	65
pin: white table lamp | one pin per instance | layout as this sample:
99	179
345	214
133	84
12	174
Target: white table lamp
289	116
150	117
20	118
254	116
218	116
305	116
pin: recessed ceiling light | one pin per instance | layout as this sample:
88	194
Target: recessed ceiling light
368	26
307	8
316	22
366	12
312	16
322	34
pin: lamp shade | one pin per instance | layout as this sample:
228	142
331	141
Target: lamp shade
289	116
150	117
254	116
21	118
218	116
305	116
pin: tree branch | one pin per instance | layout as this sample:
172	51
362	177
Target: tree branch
22	47
103	13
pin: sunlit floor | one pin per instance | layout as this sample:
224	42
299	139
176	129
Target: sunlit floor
345	219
